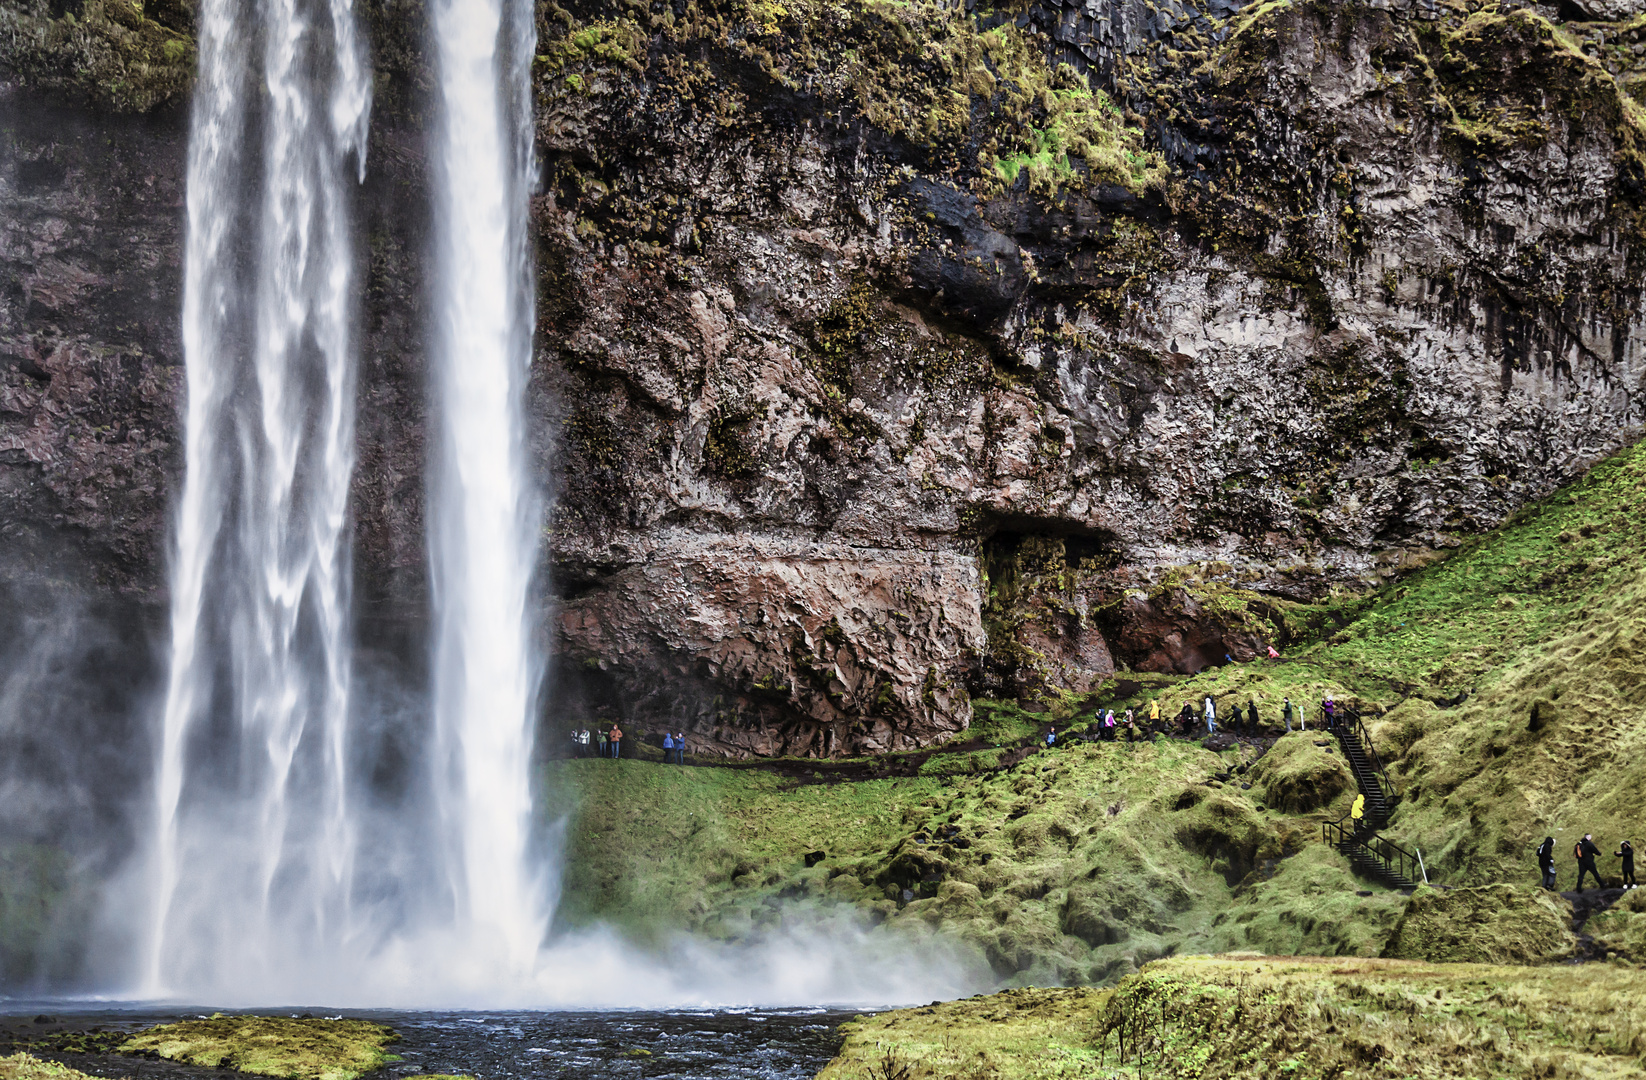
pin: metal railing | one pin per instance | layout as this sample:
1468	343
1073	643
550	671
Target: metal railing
1348	720
1396	859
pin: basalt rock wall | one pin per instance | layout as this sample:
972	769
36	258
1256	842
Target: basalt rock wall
882	363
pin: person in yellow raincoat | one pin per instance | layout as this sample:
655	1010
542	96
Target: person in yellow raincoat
1357	812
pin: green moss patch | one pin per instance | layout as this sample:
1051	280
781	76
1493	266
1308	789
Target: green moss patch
272	1046
110	52
29	1067
1018	1033
1498	924
1299	777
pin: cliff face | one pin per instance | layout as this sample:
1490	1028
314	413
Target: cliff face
882	363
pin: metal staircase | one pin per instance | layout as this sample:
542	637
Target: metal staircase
1368	853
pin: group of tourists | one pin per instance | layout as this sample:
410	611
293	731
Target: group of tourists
610	744
1124	722
1585	851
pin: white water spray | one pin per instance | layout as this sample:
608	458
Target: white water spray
251	865
274	879
485	515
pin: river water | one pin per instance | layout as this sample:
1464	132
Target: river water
687	1044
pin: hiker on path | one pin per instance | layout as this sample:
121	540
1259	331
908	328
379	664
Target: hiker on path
1154	715
1051	738
1185	719
1108	726
1546	862
1272	654
668	748
680	748
1329	708
1211	716
617	741
1627	854
1288	713
1585	851
1251	715
1357	812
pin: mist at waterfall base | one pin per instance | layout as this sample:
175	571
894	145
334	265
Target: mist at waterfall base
322	828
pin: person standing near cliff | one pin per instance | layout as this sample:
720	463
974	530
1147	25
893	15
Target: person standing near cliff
1251	716
617	741
1211	715
1287	713
600	737
668	748
1626	852
1546	861
1154	715
680	748
1586	851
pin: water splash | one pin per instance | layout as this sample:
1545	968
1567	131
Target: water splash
485	512
250	868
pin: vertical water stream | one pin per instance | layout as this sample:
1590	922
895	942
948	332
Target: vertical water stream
484	513
250	870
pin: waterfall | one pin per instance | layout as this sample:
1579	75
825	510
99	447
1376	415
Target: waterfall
251	863
484	514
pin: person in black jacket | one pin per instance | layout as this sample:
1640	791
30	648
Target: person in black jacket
1627	853
1546	861
1586	853
1251	716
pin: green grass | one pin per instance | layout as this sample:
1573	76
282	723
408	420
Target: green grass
272	1046
1250	1016
1075	866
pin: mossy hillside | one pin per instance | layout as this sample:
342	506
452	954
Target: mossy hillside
110	51
272	1046
1258	1017
1503	685
1075	865
1495	924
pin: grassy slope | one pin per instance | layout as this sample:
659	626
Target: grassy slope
1082	864
1261	1017
1074	866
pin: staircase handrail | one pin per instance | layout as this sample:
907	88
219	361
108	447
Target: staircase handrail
1394	857
1365	737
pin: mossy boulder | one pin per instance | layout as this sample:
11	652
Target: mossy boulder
1498	924
299	1049
29	1067
1299	777
1620	932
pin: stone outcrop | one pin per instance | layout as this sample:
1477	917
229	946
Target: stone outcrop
872	379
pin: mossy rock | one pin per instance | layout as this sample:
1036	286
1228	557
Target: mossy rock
1299	777
29	1067
272	1046
1498	924
1620	932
